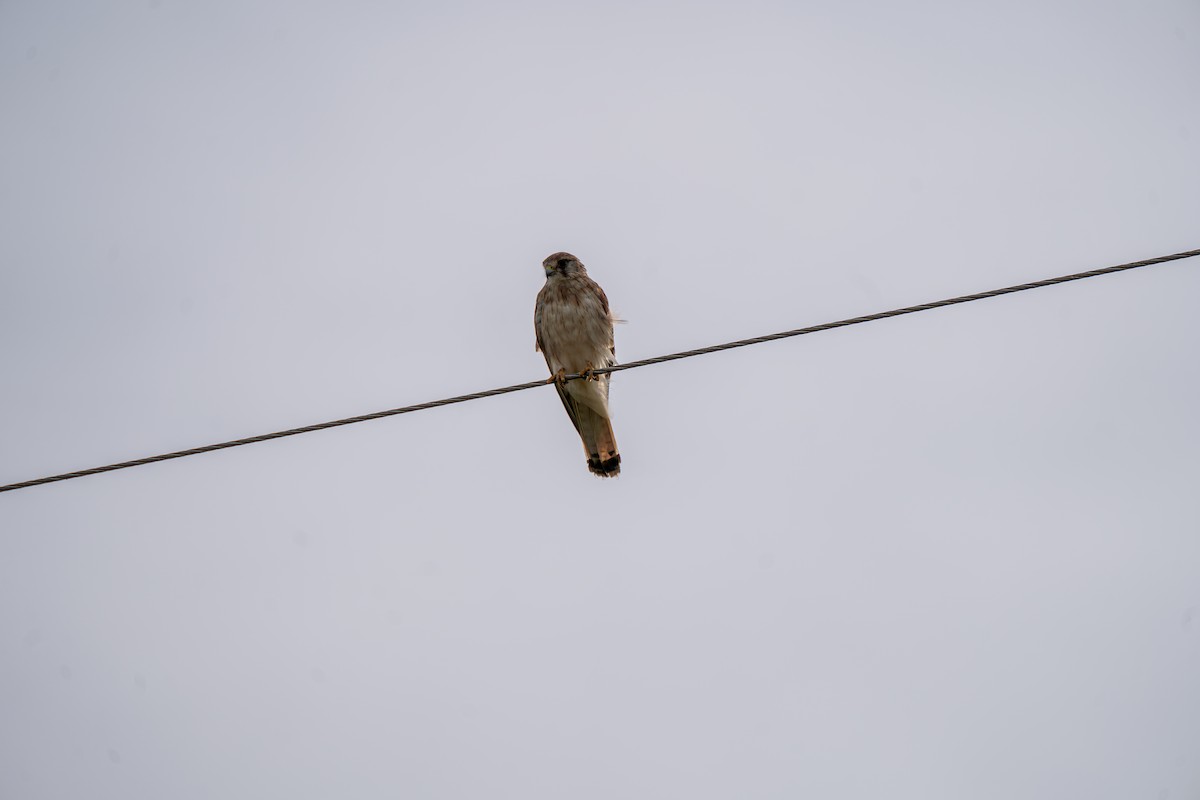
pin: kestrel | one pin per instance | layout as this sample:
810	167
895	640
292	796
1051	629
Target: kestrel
574	330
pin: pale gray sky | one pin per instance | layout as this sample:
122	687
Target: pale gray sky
951	555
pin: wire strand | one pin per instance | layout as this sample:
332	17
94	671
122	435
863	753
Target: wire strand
716	348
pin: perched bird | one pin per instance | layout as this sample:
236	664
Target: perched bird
574	329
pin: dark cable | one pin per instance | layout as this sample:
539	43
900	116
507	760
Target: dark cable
967	298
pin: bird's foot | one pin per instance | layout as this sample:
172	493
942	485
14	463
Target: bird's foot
559	377
588	373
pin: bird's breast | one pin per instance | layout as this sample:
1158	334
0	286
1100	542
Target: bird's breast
574	327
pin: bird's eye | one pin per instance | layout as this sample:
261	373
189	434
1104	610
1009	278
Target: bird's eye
562	263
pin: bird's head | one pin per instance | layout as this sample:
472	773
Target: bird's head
563	264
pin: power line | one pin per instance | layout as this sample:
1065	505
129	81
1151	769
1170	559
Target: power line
966	298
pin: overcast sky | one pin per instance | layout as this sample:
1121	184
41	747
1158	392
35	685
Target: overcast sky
951	555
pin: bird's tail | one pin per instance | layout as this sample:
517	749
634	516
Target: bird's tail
599	442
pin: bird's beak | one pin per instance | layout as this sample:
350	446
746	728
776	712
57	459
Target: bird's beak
549	270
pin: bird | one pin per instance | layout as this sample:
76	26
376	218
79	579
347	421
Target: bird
574	330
